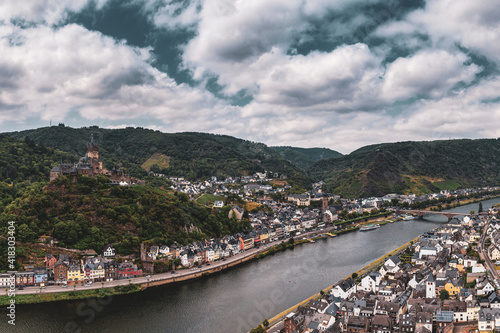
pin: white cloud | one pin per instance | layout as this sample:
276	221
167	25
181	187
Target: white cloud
429	73
473	25
41	11
232	38
174	14
55	71
339	80
343	98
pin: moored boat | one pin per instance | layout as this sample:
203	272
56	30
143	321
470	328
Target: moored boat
408	217
369	227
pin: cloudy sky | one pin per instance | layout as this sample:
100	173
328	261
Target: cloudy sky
309	73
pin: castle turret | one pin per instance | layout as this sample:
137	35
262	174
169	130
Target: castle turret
93	154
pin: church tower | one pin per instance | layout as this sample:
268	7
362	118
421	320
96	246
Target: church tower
430	287
93	155
324	203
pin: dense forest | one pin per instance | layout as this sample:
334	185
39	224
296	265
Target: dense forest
412	167
191	155
92	213
305	157
23	162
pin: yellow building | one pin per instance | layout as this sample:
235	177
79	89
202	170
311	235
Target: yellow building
264	237
453	289
98	272
474	237
75	273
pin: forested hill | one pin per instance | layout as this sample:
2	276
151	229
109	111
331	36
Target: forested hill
22	162
412	167
305	157
92	213
192	155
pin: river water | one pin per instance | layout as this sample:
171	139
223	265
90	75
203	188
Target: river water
231	301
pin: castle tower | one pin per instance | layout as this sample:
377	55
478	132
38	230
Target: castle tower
430	287
93	154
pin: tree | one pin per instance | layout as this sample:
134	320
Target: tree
354	276
265	322
487	242
480	209
258	329
472	212
25	234
444	294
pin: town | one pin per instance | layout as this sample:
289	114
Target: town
284	217
444	282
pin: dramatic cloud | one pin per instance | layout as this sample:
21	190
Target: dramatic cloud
339	74
429	74
40	11
473	25
52	72
342	79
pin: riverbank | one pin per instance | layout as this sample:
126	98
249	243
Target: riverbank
185	275
287	245
71	295
280	316
461	203
156	280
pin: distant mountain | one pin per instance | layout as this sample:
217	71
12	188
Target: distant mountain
191	155
403	167
305	157
411	167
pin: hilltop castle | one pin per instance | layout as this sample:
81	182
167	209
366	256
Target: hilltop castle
91	166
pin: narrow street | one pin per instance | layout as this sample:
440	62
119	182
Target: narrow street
483	254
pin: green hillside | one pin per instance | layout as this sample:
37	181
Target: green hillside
23	162
191	155
92	213
412	167
305	157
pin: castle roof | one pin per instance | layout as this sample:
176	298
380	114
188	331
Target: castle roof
92	142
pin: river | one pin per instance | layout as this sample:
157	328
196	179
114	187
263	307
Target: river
234	300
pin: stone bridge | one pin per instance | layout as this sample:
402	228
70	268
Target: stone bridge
421	213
